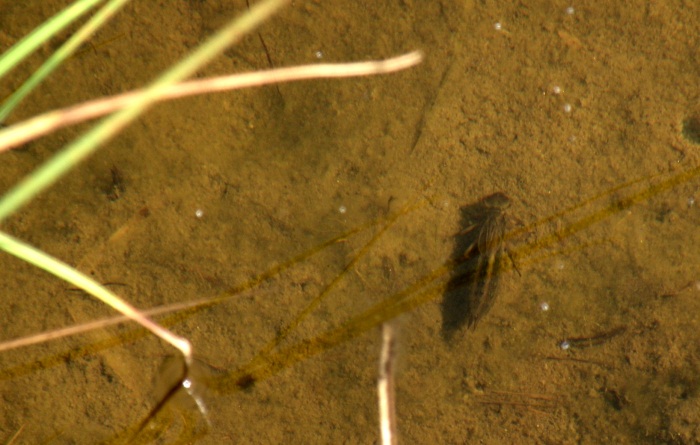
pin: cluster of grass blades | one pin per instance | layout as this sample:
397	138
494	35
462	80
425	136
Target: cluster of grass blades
119	112
276	355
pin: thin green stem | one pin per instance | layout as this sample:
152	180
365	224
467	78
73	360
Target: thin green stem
60	56
67	273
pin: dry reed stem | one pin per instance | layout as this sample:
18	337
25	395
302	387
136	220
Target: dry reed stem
98	324
385	386
35	127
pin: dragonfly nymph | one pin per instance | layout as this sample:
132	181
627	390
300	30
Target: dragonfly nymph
478	262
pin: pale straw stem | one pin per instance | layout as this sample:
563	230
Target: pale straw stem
385	387
35	127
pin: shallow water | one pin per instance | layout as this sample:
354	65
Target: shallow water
602	226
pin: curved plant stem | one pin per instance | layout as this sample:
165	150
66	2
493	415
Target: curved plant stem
65	272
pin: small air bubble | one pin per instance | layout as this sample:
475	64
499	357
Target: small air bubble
497	26
199	213
342	209
567	108
544	306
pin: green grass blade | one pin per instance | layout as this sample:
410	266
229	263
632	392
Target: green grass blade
67	273
50	264
65	51
41	34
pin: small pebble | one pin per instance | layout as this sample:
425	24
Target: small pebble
570	10
199	213
544	306
564	345
342	209
497	26
567	108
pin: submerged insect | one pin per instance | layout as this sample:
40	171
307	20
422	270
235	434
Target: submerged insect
478	257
